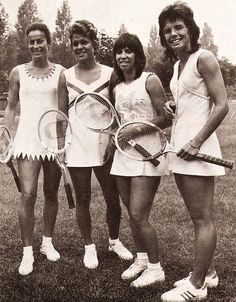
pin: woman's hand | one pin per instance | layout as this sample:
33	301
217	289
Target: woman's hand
169	109
110	150
188	151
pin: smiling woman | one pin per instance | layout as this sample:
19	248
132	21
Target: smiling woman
200	105
34	86
88	150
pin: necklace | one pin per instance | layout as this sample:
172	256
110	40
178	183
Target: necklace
40	77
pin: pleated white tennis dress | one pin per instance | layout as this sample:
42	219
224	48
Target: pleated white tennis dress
37	95
133	103
87	148
193	106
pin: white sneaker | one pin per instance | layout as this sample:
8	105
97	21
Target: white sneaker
211	281
185	292
135	269
26	265
49	251
90	258
148	277
119	249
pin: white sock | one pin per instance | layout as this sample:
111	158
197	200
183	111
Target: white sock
46	240
90	247
154	265
114	241
28	250
142	256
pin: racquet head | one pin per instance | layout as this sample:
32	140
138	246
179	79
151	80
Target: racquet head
55	131
5	144
142	141
95	111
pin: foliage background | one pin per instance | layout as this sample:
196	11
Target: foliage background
14	47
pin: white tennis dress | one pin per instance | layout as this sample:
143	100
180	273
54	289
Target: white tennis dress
87	148
36	95
193	106
133	103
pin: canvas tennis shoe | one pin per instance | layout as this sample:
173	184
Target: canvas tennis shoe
135	269
90	257
211	281
26	265
149	276
119	249
185	292
49	251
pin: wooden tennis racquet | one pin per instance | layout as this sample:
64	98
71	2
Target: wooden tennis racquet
55	134
96	112
150	137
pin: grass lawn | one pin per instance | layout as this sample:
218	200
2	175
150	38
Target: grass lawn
68	280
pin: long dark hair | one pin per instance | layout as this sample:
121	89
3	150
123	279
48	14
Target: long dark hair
133	43
179	10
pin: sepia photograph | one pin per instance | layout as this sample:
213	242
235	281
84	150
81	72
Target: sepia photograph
117	150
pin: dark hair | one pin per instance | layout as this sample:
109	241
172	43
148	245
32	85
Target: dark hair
134	44
179	10
86	29
39	26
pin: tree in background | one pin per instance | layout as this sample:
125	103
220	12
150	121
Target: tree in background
122	29
61	50
4	32
228	71
156	60
27	13
154	51
104	55
207	39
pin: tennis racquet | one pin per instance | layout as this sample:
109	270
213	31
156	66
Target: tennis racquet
96	112
55	134
150	137
6	153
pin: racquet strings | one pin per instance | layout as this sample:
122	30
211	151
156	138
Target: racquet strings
55	131
5	140
145	135
94	112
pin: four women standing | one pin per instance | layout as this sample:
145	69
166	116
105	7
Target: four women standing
199	106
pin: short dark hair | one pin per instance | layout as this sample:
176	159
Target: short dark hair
86	29
179	10
133	43
39	26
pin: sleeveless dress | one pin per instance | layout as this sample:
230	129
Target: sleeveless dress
87	148
36	95
193	107
133	103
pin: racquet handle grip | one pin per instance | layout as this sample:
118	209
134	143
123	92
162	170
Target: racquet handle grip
215	160
69	196
146	154
16	178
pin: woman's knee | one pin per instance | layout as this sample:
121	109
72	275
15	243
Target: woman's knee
137	218
83	200
201	217
50	191
28	198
